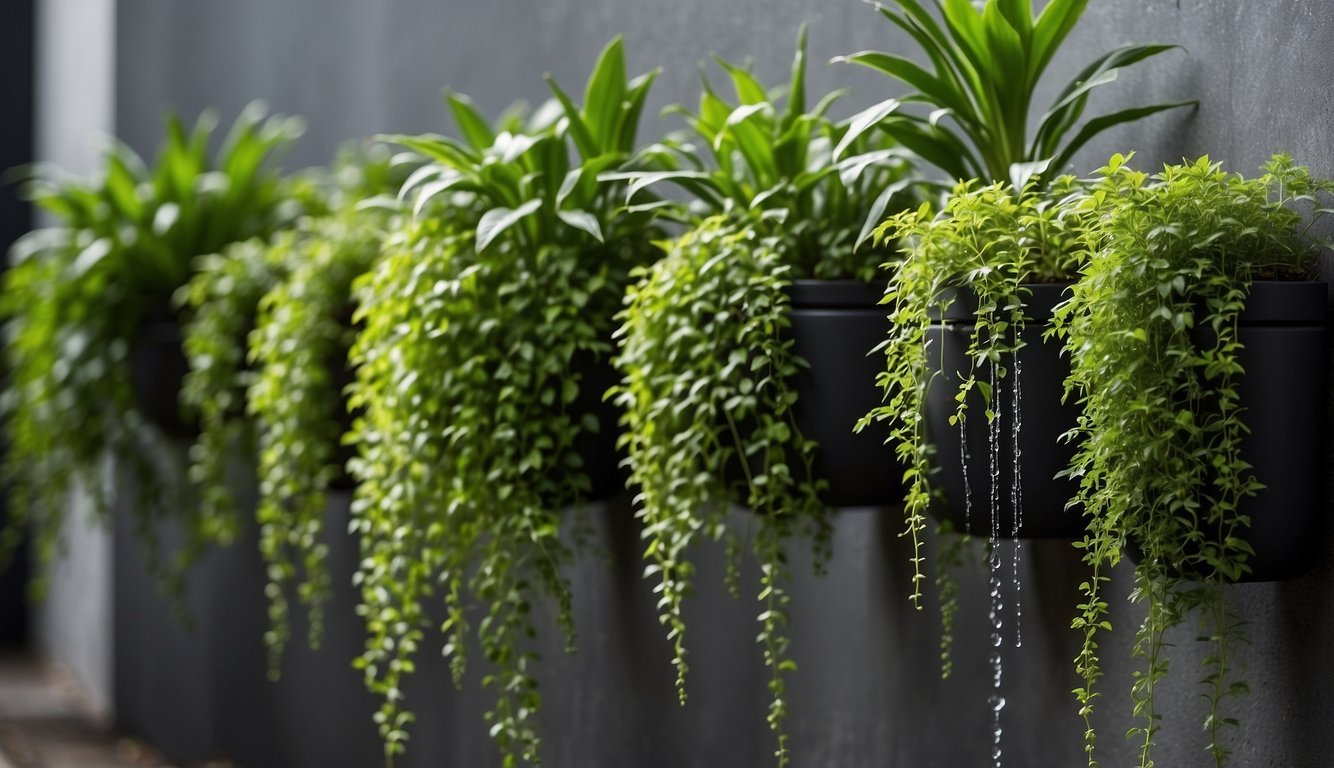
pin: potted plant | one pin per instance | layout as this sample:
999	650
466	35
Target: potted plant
1197	347
480	328
987	61
91	335
718	403
267	339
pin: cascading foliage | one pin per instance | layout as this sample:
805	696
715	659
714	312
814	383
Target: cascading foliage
267	340
705	356
76	294
481	322
1158	458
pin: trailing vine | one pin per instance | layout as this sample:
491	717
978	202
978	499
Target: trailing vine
705	355
1170	254
989	240
480	324
299	348
266	340
76	294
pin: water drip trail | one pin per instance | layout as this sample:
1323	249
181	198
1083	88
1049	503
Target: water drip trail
996	701
1016	499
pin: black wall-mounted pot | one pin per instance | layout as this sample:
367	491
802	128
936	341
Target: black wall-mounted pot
835	326
157	369
1043	420
1285	394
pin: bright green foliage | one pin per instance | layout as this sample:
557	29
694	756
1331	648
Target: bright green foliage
1159	439
76	293
986	59
221	298
705	359
708	416
299	349
480	321
289	296
988	240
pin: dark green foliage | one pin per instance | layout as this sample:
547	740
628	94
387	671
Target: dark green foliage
76	294
1158	459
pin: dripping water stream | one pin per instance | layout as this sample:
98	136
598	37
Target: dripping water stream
997	606
1016	498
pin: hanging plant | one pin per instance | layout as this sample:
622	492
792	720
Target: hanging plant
1156	337
300	351
76	295
482	323
279	399
706	354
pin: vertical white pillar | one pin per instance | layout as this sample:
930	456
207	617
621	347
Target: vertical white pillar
75	112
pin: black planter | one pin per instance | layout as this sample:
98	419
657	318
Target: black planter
835	326
157	368
1044	418
602	460
1284	394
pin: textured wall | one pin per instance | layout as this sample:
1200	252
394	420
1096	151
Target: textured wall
74	113
866	692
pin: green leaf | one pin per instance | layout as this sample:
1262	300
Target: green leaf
864	121
604	96
495	221
474	127
582	220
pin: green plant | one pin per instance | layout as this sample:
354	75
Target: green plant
290	296
705	355
1158	457
479	324
76	293
989	240
986	60
300	350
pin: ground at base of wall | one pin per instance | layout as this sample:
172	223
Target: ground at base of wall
45	723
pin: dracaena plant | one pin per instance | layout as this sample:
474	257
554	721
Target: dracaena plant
76	293
985	61
1159	437
266	319
488	309
705	357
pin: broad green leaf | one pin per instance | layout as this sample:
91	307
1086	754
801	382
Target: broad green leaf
604	96
1050	30
582	220
579	131
864	121
1099	124
495	221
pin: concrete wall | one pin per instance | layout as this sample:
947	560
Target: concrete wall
75	108
866	692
